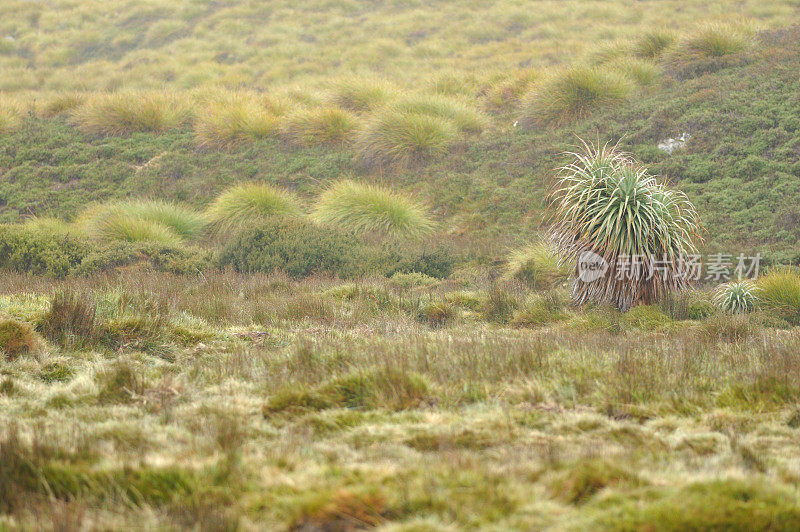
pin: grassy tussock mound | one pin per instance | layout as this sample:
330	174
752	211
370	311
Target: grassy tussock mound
125	113
326	125
250	202
142	221
363	209
237	119
11	117
16	338
462	116
361	95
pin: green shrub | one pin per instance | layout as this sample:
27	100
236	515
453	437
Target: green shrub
701	309
413	280
573	94
16	338
155	256
327	125
125	113
250	203
436	262
538	266
39	251
402	138
737	297
499	307
362	208
298	248
779	291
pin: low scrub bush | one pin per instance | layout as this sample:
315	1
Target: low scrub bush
125	113
298	248
237	119
250	203
363	209
17	338
436	262
644	318
779	291
402	138
538	266
156	256
573	94
737	297
39	251
327	125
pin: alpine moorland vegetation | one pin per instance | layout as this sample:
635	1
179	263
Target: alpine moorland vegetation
134	220
125	113
363	209
248	203
326	125
608	205
737	297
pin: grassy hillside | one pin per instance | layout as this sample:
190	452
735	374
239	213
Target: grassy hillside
739	166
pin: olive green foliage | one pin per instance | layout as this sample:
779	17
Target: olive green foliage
537	265
713	40
573	94
461	115
250	203
360	94
11	117
235	120
125	113
180	259
607	204
296	247
653	43
31	249
70	320
16	338
779	290
737	297
404	138
362	208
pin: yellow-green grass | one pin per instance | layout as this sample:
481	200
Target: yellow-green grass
653	43
61	103
713	40
503	94
323	125
248	203
573	94
642	72
364	209
779	290
235	120
125	113
361	94
11	116
538	265
142	220
463	117
404	138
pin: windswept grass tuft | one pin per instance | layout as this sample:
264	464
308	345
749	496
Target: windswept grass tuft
713	40
403	138
779	291
463	117
363	208
236	119
142	220
537	265
573	94
641	71
62	103
16	338
125	113
653	43
250	202
360	94
10	117
327	125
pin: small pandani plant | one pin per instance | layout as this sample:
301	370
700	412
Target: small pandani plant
606	205
737	297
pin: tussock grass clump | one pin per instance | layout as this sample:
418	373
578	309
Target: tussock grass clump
11	117
142	220
642	72
537	265
586	478
713	40
360	95
363	209
573	94
403	138
737	297
652	44
327	125
504	94
70	321
250	202
17	338
125	113
62	103
779	291
236	120
463	117
608	205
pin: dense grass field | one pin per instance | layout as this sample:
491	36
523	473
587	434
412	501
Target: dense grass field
307	265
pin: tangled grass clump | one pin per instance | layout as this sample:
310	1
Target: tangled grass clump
10	117
609	205
327	125
737	297
652	44
250	202
779	290
16	338
360	95
573	94
642	72
403	138
125	113
363	209
537	265
713	40
463	117
142	221
235	120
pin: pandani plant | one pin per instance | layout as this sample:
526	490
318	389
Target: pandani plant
607	204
